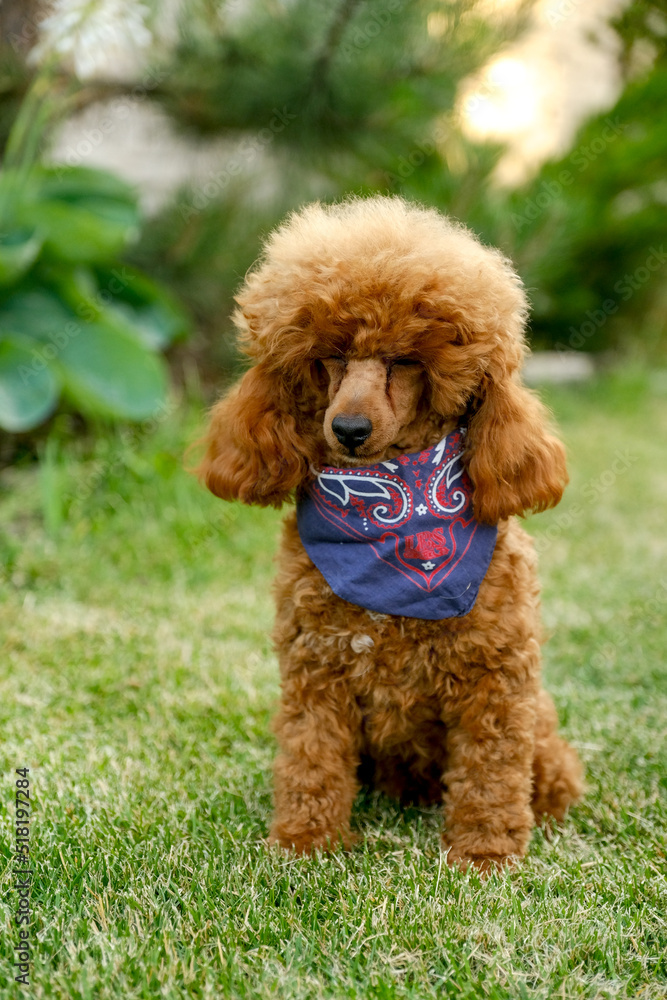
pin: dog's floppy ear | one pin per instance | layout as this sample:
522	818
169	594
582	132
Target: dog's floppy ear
254	453
515	464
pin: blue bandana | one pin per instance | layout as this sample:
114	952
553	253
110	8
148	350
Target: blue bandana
399	537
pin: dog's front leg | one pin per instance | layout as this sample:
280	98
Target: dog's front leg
488	818
315	774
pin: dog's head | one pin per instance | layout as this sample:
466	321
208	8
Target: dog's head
376	326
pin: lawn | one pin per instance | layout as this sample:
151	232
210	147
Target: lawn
137	685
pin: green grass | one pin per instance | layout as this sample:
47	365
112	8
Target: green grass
137	684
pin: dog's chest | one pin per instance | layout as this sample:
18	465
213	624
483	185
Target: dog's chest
400	686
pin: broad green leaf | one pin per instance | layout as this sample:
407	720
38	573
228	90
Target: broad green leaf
36	312
154	314
18	251
74	317
28	386
16	190
124	299
76	234
78	184
108	372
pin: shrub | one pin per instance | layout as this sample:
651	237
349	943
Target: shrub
75	322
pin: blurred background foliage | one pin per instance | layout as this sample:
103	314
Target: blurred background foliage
73	320
313	100
374	100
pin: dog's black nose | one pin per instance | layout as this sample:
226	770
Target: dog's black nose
351	431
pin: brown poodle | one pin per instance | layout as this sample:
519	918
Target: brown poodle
387	343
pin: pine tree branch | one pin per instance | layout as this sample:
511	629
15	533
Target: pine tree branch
322	63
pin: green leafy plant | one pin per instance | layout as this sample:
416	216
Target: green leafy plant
75	322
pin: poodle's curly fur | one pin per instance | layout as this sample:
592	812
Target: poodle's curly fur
381	308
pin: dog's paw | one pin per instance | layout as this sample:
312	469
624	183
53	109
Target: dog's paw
483	863
307	842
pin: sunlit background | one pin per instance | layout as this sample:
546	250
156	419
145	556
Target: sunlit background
531	96
196	125
535	94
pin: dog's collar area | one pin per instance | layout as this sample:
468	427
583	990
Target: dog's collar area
399	537
401	459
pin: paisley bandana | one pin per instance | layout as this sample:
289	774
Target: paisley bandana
399	537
